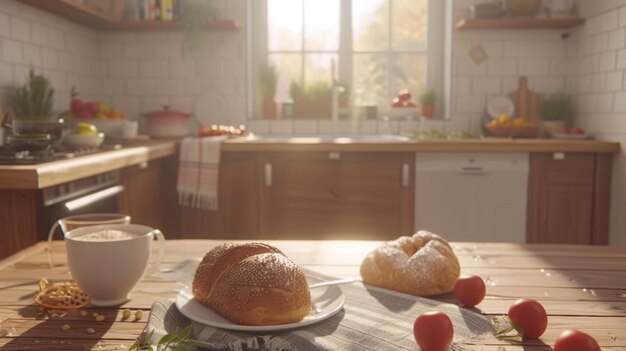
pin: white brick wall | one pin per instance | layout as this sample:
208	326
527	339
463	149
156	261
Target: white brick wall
156	70
51	45
597	85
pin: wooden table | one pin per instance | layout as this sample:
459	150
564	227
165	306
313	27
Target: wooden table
581	287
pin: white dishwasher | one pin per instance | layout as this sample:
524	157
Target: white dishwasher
472	196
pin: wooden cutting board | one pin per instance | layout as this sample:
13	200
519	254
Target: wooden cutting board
526	101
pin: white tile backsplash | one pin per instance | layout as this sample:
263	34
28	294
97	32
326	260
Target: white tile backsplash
602	112
31	55
534	67
617	39
11	51
5	28
20	28
519	49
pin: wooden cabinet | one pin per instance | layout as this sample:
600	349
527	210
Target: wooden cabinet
237	215
332	195
308	195
568	199
20	224
149	195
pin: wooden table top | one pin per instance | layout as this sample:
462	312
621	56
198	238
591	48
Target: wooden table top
581	287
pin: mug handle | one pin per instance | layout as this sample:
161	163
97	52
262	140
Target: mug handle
161	239
50	237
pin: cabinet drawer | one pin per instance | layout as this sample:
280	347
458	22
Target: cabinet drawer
566	168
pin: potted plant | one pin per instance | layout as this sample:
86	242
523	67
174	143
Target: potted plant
268	79
428	99
553	110
33	107
194	18
311	100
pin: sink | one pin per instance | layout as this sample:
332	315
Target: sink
342	139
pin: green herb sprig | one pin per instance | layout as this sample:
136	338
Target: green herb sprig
178	340
35	99
428	97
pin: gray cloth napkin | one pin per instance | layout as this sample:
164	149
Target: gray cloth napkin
372	319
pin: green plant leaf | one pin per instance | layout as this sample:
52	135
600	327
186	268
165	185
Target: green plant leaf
35	99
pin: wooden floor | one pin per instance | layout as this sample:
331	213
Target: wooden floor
581	287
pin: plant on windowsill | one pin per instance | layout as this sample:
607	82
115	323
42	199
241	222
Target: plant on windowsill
196	14
33	107
553	111
428	99
268	79
311	100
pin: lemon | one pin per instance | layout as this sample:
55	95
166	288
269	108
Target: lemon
86	128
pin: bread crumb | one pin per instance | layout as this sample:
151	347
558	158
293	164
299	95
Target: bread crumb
83	313
100	318
138	315
90	331
126	314
65	327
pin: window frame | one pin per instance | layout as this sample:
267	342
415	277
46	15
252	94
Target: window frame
438	50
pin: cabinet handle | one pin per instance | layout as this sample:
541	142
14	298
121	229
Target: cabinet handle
472	171
268	175
405	174
334	155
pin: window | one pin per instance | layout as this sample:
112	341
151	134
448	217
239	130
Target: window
373	48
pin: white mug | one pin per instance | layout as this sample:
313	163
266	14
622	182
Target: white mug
82	220
107	261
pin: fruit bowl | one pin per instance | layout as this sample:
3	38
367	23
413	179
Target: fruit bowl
84	140
514	131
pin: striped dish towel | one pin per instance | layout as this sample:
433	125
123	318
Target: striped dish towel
198	172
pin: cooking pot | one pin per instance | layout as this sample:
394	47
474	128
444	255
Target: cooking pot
167	123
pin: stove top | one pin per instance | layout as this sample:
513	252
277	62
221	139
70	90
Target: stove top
9	156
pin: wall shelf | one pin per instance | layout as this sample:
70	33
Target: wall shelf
86	16
518	23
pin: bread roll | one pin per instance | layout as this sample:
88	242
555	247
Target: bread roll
252	284
423	265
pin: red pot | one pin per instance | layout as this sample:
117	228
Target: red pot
167	123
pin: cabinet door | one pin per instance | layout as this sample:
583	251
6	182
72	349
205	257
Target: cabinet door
237	215
145	194
349	195
560	199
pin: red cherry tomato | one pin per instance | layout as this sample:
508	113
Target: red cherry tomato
529	318
578	131
470	290
433	331
575	340
565	131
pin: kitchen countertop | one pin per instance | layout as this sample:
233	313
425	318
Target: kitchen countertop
457	145
43	175
580	286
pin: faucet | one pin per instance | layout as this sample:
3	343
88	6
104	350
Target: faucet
336	91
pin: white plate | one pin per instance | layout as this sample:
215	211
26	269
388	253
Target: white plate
500	105
326	302
571	136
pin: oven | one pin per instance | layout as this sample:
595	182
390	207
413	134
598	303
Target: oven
96	194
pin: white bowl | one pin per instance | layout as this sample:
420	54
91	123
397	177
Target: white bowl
84	140
110	127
